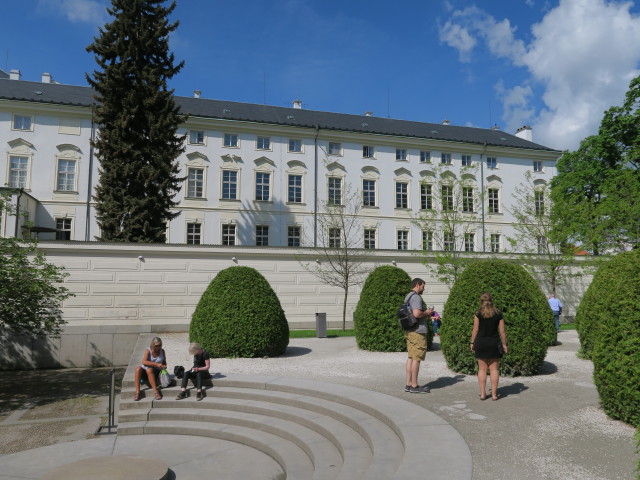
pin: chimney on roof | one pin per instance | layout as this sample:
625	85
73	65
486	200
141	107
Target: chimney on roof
495	127
46	78
197	93
368	114
15	75
445	122
297	104
525	133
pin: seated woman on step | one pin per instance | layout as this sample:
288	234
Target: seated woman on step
199	372
153	362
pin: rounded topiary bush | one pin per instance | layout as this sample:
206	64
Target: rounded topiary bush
528	318
376	315
239	315
616	350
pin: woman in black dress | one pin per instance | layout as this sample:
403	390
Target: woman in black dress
488	329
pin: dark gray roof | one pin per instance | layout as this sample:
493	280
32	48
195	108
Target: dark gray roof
227	110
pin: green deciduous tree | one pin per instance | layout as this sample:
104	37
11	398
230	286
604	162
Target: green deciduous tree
596	192
31	290
137	142
541	251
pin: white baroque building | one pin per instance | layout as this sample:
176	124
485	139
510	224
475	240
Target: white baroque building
257	175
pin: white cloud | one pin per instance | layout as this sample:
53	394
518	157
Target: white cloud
583	54
77	11
459	38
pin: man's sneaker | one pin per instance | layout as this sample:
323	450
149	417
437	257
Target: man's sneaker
407	388
183	394
200	395
419	389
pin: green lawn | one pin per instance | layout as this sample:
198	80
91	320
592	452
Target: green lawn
312	333
567	326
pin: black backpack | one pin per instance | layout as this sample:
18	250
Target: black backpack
405	316
178	371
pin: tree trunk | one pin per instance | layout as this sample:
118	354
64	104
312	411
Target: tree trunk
344	309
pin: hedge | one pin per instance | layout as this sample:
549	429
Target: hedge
239	315
528	318
615	350
376	320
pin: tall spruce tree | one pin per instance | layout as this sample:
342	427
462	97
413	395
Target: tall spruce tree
137	142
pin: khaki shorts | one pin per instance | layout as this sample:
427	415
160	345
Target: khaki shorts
416	345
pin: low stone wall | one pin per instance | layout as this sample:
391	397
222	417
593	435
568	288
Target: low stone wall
125	289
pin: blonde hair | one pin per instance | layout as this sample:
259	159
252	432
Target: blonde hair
194	348
487	308
155	341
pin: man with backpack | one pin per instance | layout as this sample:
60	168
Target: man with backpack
416	337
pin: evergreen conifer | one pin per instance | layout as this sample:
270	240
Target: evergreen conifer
137	142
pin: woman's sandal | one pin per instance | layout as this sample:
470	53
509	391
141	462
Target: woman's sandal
496	397
157	395
136	397
483	398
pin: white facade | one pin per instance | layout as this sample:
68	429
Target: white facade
261	183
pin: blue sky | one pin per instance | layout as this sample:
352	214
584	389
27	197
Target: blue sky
555	65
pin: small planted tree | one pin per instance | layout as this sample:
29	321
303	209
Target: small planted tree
528	318
31	289
239	315
615	339
376	317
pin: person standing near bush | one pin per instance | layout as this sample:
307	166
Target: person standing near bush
199	372
488	330
416	338
154	361
556	307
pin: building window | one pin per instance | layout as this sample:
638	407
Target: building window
63	229
492	162
370	238
369	193
334	238
402	239
466	160
262	235
18	171
539	203
426	196
469	242
263	187
335	148
294	235
445	158
22	122
66	176
542	243
195	182
448	241
495	242
295	146
194	233
493	195
229	185
263	143
335	191
228	235
402	195
230	140
467	199
537	166
447	198
367	151
425	157
196	137
295	189
401	154
427	240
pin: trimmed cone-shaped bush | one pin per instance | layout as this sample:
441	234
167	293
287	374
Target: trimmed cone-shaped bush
376	315
616	351
528	318
239	315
